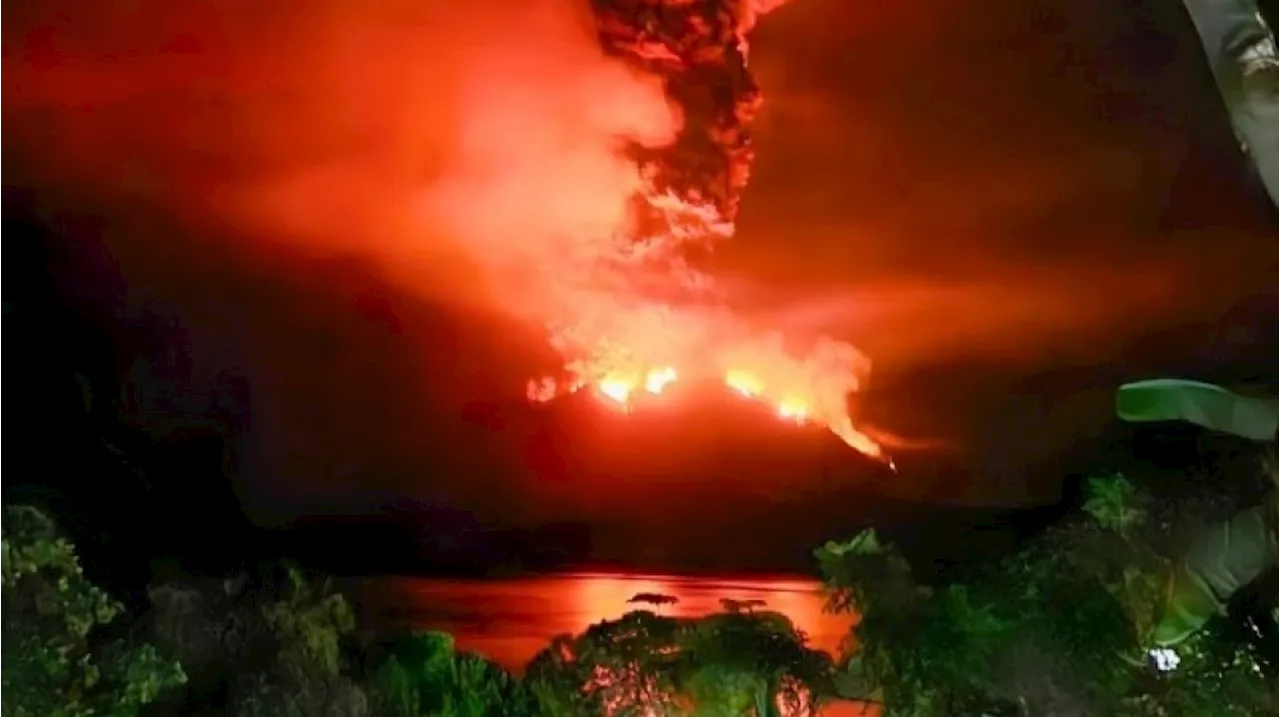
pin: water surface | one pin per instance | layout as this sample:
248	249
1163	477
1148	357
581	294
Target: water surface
510	620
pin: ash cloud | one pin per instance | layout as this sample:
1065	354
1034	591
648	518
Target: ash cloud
415	133
291	183
942	185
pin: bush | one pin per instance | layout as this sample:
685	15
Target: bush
308	623
1065	626
58	659
277	643
729	663
422	675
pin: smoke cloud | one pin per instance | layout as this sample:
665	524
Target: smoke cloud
931	182
245	163
416	133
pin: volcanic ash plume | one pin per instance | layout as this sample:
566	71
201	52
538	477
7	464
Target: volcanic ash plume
565	164
643	316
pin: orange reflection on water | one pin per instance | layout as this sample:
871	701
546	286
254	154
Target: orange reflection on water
511	620
604	596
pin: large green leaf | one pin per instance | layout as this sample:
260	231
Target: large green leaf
1214	407
1224	559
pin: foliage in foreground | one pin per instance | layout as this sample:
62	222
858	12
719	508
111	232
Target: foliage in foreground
282	643
642	664
422	674
58	659
274	644
729	663
1063	627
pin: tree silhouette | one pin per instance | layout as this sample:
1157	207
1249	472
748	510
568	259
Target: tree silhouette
655	599
737	606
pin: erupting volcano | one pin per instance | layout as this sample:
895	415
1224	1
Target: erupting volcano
564	165
636	314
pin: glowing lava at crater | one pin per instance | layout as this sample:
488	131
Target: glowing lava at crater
628	392
624	391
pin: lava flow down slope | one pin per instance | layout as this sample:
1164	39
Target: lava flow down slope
640	316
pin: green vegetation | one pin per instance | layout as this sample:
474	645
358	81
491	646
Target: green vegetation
59	657
284	644
722	664
1084	620
423	675
640	664
1064	626
1090	617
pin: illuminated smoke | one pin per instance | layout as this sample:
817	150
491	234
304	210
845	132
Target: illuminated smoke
565	164
642	314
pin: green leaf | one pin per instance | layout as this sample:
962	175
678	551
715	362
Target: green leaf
1204	404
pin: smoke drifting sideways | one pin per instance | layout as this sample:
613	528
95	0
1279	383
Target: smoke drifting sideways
410	132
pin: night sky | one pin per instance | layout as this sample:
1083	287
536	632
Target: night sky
1009	209
1006	209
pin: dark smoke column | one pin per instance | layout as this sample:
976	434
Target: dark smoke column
699	48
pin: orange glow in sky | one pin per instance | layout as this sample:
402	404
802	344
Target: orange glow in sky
426	169
468	151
